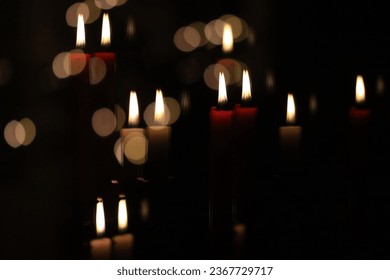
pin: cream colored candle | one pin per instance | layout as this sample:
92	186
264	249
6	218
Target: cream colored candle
101	246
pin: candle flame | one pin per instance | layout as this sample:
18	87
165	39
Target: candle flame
227	38
122	214
360	90
106	31
80	36
159	113
133	119
246	87
222	96
100	220
290	117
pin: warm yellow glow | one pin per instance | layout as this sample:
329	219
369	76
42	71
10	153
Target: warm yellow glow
227	38
360	90
159	108
80	36
222	96
100	220
133	109
122	214
246	87
290	118
106	31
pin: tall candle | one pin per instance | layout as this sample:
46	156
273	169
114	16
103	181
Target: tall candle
134	142
123	242
290	134
243	147
359	114
220	188
101	246
159	135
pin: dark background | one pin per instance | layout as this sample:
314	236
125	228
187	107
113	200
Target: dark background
323	209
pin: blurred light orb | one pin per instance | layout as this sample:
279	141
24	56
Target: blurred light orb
61	65
192	36
5	71
214	31
149	115
29	131
94	11
120	117
73	12
98	70
14	134
103	122
135	148
211	75
118	151
239	26
174	109
76	61
180	40
106	4
234	68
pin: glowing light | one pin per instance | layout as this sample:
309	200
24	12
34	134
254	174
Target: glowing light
360	90
76	62
246	87
120	117
14	134
149	113
145	210
135	147
29	131
214	31
61	65
227	38
222	96
94	11
173	108
118	151
133	109
270	80
122	214
103	122
199	27
313	104
180	40
80	36
211	75
106	4
100	219
130	27
290	116
159	108
75	10
185	102
98	70
106	31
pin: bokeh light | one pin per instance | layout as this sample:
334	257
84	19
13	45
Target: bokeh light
211	75
61	65
180	39
131	27
234	68
135	147
380	85
94	11
270	80
5	71
185	102
238	25
118	151
313	104
98	70
73	12
199	27
174	109
103	122
120	117
214	31
77	60
106	4
29	131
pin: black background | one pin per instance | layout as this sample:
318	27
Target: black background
321	210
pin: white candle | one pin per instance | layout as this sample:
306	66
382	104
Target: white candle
101	246
290	134
159	136
123	242
134	142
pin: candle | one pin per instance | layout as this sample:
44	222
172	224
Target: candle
290	134
134	142
227	38
79	60
220	188
159	136
123	242
359	114
101	246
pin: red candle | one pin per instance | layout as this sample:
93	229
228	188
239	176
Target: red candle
358	115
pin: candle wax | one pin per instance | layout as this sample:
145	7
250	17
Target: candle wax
359	116
101	248
123	246
158	150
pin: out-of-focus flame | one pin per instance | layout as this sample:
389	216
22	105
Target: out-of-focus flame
100	220
80	35
106	31
246	87
122	214
133	109
360	90
159	109
222	96
290	117
227	38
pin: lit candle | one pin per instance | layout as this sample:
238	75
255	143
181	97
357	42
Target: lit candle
107	56
101	246
123	242
79	60
227	38
359	114
290	134
134	142
159	136
220	188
